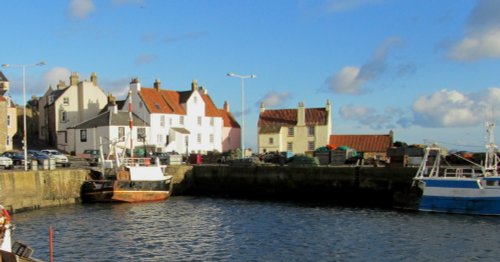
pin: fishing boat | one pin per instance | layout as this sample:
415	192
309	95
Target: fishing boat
126	179
9	252
133	181
473	189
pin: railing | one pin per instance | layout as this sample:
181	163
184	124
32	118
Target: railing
137	161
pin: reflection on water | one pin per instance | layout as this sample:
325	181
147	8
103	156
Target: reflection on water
206	229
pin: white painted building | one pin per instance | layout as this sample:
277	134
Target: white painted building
110	127
181	121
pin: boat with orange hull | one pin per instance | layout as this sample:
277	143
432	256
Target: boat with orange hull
129	183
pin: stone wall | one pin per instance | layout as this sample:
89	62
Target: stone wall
25	190
368	186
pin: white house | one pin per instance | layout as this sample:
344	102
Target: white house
181	121
67	106
110	127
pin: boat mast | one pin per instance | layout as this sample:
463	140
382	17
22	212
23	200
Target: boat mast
491	158
131	123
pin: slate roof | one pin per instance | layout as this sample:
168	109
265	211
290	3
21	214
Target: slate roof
3	78
288	117
363	143
110	119
228	118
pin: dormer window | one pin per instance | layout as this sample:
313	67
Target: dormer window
66	101
51	99
157	106
195	99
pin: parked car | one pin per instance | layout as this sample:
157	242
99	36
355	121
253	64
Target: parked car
6	162
16	156
163	157
38	156
92	156
60	158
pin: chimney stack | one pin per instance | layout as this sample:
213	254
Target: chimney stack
93	78
73	79
61	85
262	108
301	115
226	106
194	85
157	84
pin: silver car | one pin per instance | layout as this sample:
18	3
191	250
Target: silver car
6	162
60	158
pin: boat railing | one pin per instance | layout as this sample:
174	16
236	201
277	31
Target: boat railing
136	161
461	172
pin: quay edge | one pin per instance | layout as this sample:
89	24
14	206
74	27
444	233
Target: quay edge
363	186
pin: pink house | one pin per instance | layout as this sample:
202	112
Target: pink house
231	132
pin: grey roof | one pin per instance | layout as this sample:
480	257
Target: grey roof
3	78
269	129
110	119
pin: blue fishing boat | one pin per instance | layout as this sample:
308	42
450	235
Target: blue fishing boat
473	189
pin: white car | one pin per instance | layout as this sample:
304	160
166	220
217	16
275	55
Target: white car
6	162
60	158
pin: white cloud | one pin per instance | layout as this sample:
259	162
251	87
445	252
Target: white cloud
81	8
275	99
54	75
367	116
145	59
346	81
454	109
482	37
351	79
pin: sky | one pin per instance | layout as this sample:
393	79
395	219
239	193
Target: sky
427	70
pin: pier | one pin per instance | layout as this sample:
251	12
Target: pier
361	186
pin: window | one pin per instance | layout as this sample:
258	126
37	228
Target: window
199	120
7	142
8	120
66	101
212	121
141	134
310	145
290	131
181	120
170	121
64	117
195	99
51	99
140	104
229	140
162	121
198	138
289	146
167	139
211	138
159	138
310	130
83	135
271	140
121	133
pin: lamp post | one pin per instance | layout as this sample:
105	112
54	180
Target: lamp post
242	77
25	144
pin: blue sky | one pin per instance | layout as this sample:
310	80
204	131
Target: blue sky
428	70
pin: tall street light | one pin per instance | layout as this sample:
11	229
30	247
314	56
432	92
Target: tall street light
25	143
242	77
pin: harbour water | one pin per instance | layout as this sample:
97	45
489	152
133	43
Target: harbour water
216	229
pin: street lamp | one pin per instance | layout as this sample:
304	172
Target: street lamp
242	77
25	144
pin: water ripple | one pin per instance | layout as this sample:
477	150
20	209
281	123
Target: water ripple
206	229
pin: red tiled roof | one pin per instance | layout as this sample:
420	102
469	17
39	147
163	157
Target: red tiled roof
288	117
162	101
228	118
363	143
210	108
169	102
